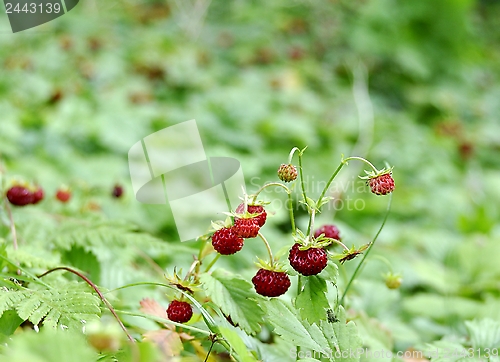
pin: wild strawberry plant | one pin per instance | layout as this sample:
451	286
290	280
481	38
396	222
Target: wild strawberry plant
290	308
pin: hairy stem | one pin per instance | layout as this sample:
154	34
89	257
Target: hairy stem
93	286
290	210
360	159
267	185
368	250
12	225
209	266
301	174
291	154
334	174
268	247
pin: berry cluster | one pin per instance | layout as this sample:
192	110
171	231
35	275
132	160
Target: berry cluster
20	195
229	240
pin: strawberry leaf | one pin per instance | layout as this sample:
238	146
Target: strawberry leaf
312	301
235	297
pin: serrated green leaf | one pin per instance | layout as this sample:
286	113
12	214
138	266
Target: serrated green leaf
287	324
69	304
311	301
330	273
235	298
484	333
342	337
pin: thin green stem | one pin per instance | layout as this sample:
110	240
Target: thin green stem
302	186
368	250
96	289
360	159
12	225
290	210
163	320
209	266
299	290
341	244
267	185
291	154
334	174
383	260
268	247
310	226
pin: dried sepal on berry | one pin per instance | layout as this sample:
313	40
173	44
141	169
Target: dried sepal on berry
351	253
188	285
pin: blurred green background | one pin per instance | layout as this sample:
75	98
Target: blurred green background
414	84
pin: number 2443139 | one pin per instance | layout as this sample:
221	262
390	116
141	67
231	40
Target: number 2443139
32	8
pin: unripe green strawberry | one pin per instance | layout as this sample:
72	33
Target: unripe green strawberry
287	173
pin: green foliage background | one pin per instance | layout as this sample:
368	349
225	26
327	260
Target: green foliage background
262	77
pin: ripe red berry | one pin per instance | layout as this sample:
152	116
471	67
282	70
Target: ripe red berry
246	228
271	283
254	209
307	262
38	195
117	191
330	231
287	173
19	196
382	184
179	312
226	242
63	195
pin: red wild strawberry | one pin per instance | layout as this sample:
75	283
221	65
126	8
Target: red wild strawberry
38	195
270	283
117	191
19	196
246	228
63	195
307	262
330	231
254	209
287	173
179	312
382	184
226	242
